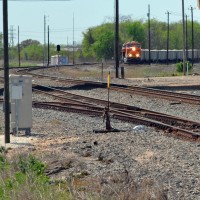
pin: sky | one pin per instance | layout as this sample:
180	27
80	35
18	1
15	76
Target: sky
28	15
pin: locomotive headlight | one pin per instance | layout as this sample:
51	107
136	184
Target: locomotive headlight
133	48
137	55
130	55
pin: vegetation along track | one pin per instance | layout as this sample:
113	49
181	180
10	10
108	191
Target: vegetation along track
87	105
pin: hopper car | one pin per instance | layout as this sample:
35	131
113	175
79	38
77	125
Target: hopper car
174	56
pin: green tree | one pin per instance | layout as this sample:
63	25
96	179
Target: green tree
176	40
29	42
196	34
88	41
132	30
158	34
98	42
32	52
104	46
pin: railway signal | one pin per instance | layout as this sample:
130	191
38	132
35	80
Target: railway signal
58	47
58	50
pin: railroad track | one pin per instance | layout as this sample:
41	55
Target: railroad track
179	97
143	91
171	124
87	105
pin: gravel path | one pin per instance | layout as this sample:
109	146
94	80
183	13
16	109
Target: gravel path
66	142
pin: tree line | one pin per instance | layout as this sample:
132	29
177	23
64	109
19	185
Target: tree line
98	41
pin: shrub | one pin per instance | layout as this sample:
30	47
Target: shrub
179	66
24	178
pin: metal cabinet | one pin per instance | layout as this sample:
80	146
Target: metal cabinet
20	103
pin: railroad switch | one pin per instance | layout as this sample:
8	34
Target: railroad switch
106	118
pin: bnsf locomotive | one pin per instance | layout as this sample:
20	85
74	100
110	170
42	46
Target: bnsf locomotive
131	52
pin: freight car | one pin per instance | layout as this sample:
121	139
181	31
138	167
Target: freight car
174	56
131	52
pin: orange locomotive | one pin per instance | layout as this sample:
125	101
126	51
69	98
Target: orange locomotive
131	52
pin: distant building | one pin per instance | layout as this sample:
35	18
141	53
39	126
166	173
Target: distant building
59	60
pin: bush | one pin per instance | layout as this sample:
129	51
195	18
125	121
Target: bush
24	178
179	66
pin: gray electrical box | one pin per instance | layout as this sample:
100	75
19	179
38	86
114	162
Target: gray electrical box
20	103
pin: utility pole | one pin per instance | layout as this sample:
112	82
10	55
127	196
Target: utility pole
149	34
73	40
44	59
117	37
167	37
19	58
48	50
6	72
183	22
191	8
186	37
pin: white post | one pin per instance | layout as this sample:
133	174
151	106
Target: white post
17	116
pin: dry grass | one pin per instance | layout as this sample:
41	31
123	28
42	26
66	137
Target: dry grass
131	71
117	187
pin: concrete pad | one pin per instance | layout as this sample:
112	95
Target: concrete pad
17	141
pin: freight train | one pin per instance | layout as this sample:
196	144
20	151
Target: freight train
133	53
